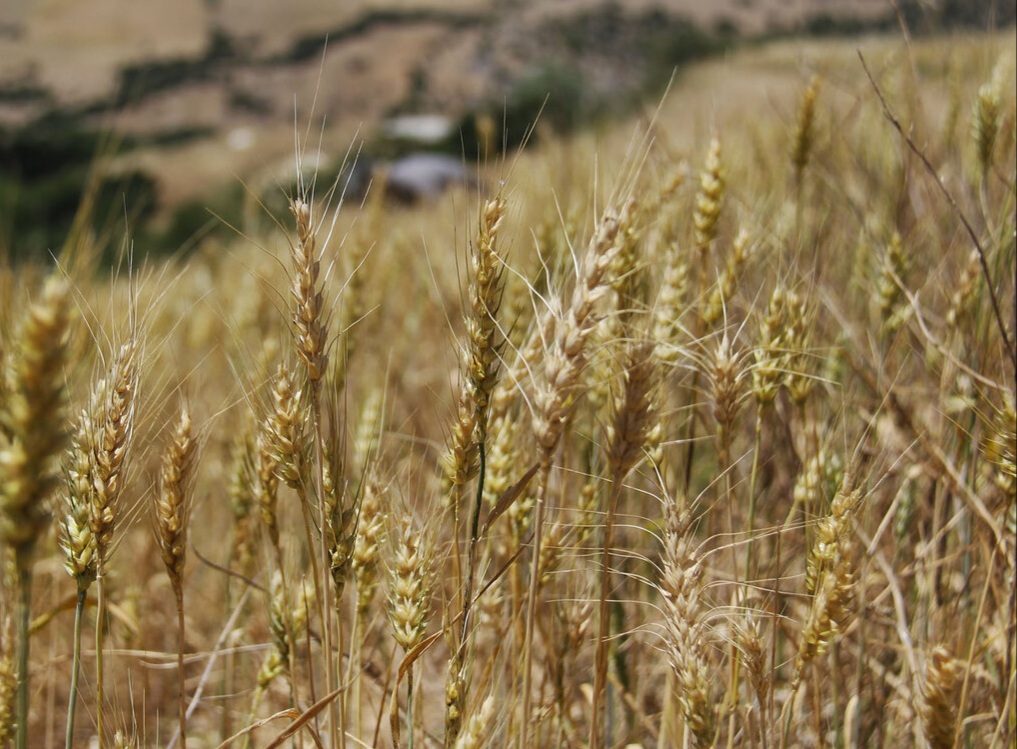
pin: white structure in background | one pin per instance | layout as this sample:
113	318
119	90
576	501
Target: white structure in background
240	139
424	129
424	176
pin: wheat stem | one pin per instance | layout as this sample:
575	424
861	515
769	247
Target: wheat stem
72	700
24	614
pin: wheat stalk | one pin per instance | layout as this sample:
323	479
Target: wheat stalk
172	513
96	472
556	398
634	417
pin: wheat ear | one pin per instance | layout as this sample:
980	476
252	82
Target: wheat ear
365	564
709	199
985	122
33	418
308	318
287	623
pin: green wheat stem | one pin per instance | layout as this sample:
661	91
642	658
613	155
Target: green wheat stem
409	706
181	678
753	476
100	611
72	701
24	619
471	558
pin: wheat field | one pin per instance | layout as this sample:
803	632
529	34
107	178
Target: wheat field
697	430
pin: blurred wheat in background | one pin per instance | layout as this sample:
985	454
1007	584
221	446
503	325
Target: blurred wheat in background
694	428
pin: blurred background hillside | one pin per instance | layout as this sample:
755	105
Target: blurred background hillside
193	105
